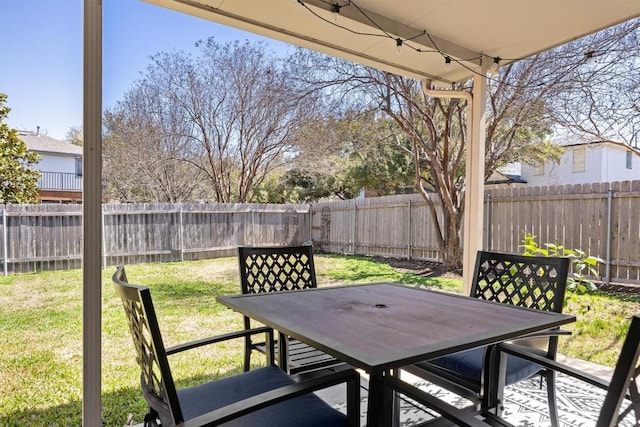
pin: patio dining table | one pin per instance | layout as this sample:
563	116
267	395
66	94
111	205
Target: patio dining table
382	327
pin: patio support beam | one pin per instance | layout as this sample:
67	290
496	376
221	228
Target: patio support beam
91	215
474	191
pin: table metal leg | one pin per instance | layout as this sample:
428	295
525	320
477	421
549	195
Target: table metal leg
395	396
380	402
373	400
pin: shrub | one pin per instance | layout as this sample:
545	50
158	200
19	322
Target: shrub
584	266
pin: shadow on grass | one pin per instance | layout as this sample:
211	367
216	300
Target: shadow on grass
188	290
371	270
116	407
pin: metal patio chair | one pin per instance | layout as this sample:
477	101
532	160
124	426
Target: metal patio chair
622	397
266	396
526	281
276	269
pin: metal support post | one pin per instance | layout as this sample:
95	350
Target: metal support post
409	230
310	215
488	224
609	221
181	225
5	245
354	233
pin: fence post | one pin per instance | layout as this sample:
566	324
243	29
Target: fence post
488	224
609	221
181	225
5	246
104	240
354	234
310	214
253	226
409	230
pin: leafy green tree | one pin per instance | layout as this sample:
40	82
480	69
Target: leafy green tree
75	135
340	156
379	160
18	180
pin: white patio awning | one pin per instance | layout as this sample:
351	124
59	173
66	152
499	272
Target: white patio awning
366	31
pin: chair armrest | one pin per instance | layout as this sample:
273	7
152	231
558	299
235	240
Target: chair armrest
269	398
220	338
459	416
536	357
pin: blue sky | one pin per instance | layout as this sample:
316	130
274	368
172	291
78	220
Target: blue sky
41	69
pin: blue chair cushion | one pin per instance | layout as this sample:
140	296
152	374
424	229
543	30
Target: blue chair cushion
305	411
469	364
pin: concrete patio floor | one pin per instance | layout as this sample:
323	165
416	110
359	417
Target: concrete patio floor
525	403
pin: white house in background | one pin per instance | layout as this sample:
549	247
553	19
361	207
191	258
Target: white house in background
586	163
61	167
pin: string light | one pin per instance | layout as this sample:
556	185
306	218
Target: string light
496	63
589	55
335	9
399	45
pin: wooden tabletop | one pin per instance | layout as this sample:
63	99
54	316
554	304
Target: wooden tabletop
378	327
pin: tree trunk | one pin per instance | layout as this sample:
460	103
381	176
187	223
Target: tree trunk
451	250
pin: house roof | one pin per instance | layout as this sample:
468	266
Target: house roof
468	32
617	144
498	177
45	144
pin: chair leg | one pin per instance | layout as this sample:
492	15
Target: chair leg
550	379
151	419
247	354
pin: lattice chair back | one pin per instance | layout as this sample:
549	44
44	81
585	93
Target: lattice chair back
527	281
156	380
276	268
624	382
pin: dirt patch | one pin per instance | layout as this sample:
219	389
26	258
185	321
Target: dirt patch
421	267
620	289
434	269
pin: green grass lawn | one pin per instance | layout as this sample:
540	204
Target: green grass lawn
41	332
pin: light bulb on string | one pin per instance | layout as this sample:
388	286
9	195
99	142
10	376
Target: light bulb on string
588	56
335	12
447	63
496	63
399	45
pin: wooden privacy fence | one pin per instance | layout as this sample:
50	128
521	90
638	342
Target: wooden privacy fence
391	226
600	219
49	237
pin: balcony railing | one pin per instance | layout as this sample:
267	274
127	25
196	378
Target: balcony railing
60	181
